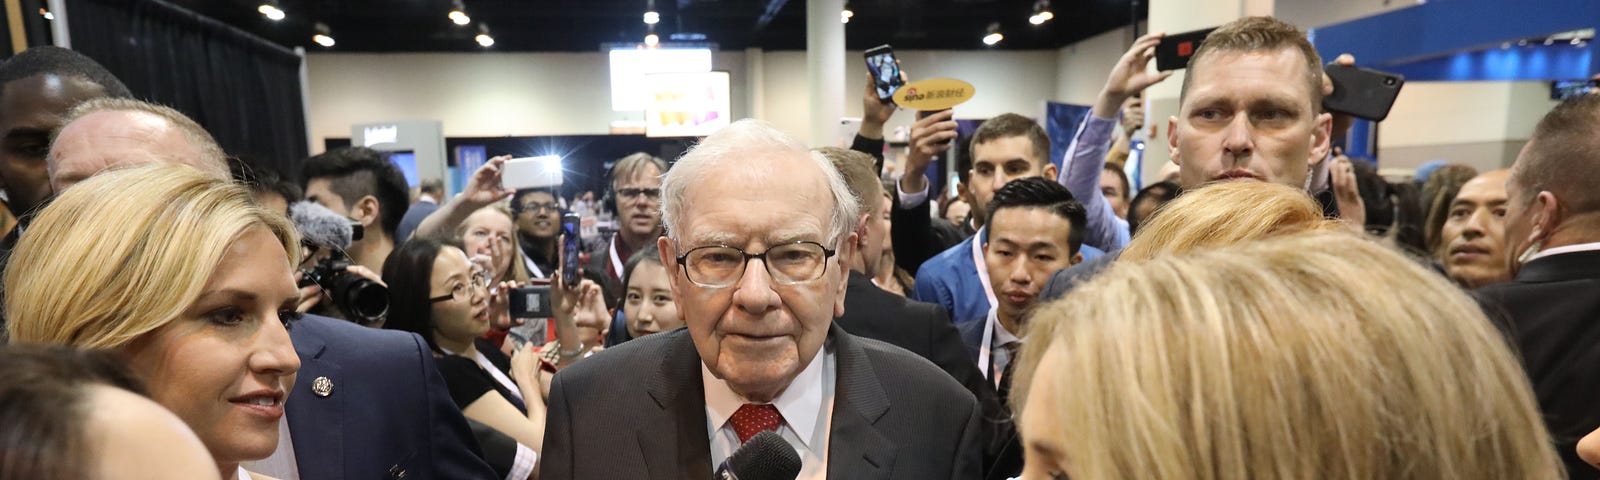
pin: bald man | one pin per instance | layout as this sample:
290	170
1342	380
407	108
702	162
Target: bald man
107	133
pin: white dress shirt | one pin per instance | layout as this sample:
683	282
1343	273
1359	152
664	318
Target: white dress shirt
806	406
1582	247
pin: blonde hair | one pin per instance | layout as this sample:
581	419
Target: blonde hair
1319	355
518	270
126	252
1224	213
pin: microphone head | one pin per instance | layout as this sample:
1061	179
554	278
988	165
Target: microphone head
320	226
767	456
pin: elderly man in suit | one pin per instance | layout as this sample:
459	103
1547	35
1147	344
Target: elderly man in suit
757	225
1552	233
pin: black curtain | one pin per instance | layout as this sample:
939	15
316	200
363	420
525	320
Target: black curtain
243	89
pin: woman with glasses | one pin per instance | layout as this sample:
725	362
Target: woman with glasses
438	293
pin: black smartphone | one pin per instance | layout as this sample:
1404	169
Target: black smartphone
1174	51
532	301
1362	92
1565	89
885	71
569	255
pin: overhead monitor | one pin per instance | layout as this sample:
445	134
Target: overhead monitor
630	91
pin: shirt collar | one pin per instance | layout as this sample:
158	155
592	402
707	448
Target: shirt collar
427	198
799	404
1002	336
1582	247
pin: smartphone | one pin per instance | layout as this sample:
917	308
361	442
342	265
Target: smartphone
532	301
1174	51
531	172
1565	89
885	71
1362	92
569	248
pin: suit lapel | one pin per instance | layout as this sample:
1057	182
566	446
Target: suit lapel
856	449
316	423
678	446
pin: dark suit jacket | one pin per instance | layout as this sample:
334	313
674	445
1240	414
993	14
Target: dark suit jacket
412	219
637	411
1552	310
917	237
925	329
388	414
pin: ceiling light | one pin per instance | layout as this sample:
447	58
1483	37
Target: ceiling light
652	40
652	18
1041	13
458	13
46	14
994	36
845	15
270	10
321	35
483	38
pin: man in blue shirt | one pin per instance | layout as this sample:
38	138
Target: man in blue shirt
1005	148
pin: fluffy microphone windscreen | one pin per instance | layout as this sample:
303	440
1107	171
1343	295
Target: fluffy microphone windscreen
320	226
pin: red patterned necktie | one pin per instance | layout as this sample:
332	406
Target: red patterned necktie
752	418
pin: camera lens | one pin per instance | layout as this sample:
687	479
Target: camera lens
1389	81
363	300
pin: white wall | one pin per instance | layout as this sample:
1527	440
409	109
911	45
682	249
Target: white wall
525	94
1481	124
1082	68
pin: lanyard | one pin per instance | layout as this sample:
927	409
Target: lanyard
533	267
616	263
986	344
983	267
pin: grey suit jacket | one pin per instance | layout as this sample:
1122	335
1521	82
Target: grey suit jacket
637	411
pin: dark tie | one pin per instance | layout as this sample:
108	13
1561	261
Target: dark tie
752	418
1005	377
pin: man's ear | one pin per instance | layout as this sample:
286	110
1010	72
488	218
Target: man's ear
860	234
1321	139
669	258
1050	171
1172	141
846	250
366	211
1077	258
1547	215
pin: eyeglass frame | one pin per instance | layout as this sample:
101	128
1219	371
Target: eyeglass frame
634	193
827	253
536	207
472	282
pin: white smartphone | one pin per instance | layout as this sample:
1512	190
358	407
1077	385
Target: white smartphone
531	172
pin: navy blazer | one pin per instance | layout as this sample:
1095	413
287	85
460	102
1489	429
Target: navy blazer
387	413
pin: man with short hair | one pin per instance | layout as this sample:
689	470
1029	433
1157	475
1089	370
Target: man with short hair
1472	242
38	87
1250	109
106	133
758	227
538	215
360	184
636	186
1004	148
1552	231
429	194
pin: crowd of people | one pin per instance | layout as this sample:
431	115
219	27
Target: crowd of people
1273	309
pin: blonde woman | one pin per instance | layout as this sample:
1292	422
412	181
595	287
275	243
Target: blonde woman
1306	356
187	279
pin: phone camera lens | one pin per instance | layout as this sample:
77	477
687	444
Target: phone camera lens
1389	81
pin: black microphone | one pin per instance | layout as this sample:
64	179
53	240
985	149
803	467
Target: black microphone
766	456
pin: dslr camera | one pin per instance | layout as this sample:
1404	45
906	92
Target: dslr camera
360	300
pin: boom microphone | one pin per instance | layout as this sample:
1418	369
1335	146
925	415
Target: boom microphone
767	456
320	226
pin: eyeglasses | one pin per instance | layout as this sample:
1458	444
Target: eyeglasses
632	193
538	207
462	291
718	266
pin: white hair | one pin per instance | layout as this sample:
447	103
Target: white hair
734	147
